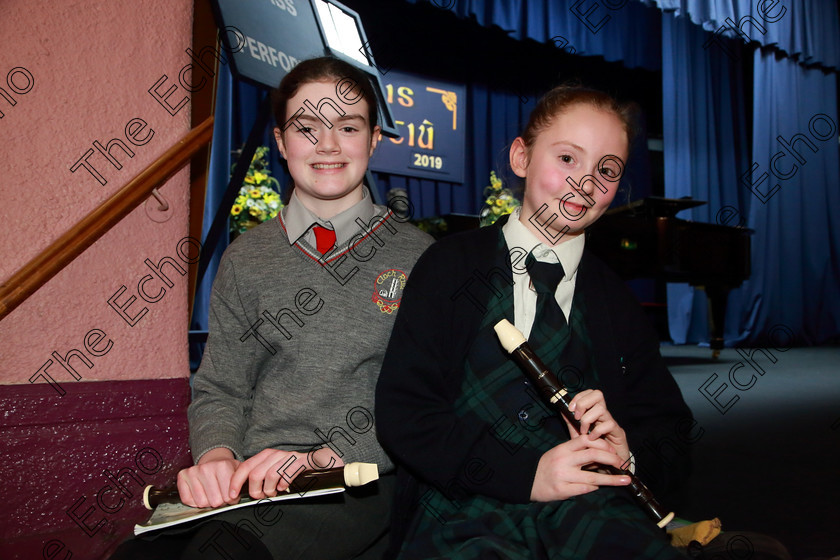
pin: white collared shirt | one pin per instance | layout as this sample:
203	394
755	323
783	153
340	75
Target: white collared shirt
568	253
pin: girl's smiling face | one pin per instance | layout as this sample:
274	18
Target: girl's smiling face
583	146
327	174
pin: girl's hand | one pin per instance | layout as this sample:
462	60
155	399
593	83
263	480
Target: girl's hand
561	473
590	409
206	484
271	470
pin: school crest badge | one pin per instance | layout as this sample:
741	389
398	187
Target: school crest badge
388	289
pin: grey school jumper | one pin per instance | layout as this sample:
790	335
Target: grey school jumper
295	345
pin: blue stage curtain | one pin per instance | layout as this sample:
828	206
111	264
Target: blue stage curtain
796	247
629	33
807	30
706	144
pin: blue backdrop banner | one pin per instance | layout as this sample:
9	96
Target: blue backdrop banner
431	118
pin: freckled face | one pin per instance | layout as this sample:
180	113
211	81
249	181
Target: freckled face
327	164
584	144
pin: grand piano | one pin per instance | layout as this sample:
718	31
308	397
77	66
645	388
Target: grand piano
644	239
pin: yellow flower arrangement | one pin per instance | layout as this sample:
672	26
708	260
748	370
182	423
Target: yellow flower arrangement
258	195
498	201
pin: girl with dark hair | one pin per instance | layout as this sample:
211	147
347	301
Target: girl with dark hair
297	333
490	472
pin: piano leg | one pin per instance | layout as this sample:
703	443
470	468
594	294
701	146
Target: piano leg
717	296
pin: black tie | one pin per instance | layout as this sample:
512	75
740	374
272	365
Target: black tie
548	318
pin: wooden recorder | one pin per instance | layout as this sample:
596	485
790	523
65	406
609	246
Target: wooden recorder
556	393
349	476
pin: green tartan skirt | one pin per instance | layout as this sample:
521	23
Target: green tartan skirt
605	524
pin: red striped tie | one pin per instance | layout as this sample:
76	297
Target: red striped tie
324	239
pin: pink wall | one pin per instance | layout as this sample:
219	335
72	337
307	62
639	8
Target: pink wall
92	64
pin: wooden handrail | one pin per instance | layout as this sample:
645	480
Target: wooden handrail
54	258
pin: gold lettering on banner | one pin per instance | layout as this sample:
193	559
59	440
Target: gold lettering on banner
450	100
426	128
430	145
394	140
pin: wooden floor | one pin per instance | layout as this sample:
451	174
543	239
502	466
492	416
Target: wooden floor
771	462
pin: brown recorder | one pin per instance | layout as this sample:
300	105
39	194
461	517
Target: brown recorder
349	476
556	394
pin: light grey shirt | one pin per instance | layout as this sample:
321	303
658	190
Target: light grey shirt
299	220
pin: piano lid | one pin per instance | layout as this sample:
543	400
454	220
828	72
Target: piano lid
655	207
